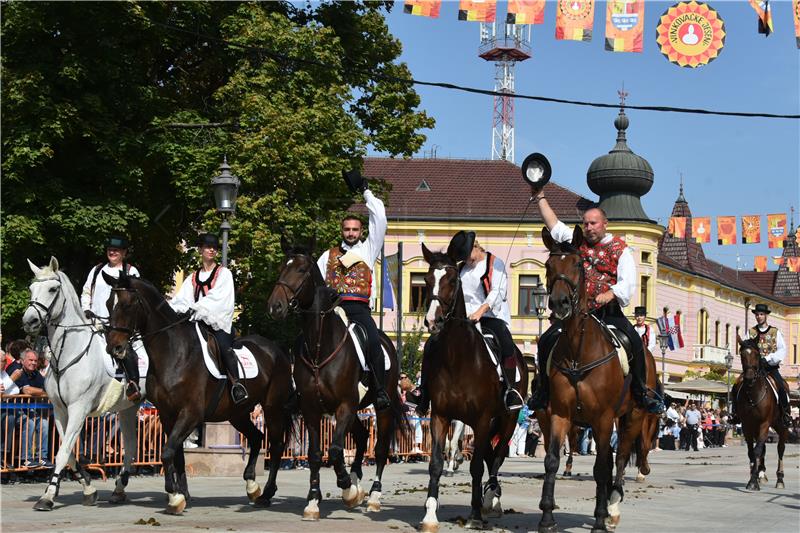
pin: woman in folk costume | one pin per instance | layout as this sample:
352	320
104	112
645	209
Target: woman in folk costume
208	296
643	328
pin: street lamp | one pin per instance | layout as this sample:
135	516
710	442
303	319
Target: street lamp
728	366
663	343
225	187
540	299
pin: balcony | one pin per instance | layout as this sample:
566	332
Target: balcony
714	355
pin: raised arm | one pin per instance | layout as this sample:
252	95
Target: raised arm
548	215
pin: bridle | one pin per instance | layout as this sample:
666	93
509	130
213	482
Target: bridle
48	310
132	333
758	374
449	305
292	301
574	287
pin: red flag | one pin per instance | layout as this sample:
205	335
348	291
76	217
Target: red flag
726	230
477	10
793	263
760	263
776	229
574	20
423	8
751	229
525	12
624	25
701	229
677	227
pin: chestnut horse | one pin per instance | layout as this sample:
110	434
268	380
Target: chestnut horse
186	394
463	384
758	409
587	386
327	374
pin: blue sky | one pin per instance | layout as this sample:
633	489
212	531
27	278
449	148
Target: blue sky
731	166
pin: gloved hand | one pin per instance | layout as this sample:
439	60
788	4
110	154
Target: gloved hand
186	315
88	314
364	185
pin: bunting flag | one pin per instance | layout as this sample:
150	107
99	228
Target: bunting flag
677	227
574	20
477	10
525	12
701	229
624	25
776	230
751	229
777	260
796	12
764	16
423	8
760	263
793	264
726	230
690	34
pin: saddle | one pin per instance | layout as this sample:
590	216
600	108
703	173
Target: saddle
618	338
359	337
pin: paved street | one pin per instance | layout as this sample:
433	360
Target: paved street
687	491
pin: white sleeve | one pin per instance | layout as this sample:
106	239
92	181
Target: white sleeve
185	297
322	263
377	227
216	307
561	232
651	341
86	295
133	271
499	284
776	357
626	278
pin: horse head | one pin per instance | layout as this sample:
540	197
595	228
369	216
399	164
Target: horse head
751	358
297	278
564	265
47	301
124	310
443	285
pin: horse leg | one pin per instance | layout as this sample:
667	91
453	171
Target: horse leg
628	429
503	428
386	427
601	431
752	484
255	437
573	445
127	420
781	447
649	428
762	467
351	493
172	454
276	421
360	436
558	429
439	426
311	511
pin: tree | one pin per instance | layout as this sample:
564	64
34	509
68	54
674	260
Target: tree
117	115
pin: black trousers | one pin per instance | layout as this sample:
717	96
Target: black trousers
500	331
225	343
359	313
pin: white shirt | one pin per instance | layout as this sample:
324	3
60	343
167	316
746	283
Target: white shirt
672	414
776	357
8	384
216	307
626	267
96	303
474	295
370	249
651	341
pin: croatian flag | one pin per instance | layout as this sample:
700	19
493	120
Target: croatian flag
671	326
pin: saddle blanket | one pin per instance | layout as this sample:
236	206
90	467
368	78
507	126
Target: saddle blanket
517	375
248	368
387	361
141	357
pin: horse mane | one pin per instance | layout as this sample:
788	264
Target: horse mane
441	257
750	343
565	247
153	296
67	288
323	297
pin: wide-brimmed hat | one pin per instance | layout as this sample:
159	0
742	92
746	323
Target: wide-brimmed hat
761	308
207	239
640	310
460	246
353	179
117	241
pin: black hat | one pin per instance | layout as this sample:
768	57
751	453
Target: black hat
640	310
761	308
536	170
460	246
117	241
354	180
207	239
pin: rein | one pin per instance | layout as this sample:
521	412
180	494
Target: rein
132	334
451	305
760	377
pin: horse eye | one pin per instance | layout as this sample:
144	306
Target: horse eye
52	290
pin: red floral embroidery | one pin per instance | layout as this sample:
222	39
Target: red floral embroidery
354	283
600	266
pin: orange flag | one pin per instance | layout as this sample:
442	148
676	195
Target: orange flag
525	12
796	12
624	25
677	227
764	16
760	263
477	10
794	264
778	260
726	230
776	229
423	8
751	229
701	229
574	20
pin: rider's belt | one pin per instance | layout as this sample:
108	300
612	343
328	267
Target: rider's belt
354	298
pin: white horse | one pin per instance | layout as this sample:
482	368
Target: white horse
452	449
77	383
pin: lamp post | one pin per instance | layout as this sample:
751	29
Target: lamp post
540	299
225	187
728	366
663	343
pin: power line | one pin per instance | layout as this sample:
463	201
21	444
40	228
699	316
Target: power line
283	58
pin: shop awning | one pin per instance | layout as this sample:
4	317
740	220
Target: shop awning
698	386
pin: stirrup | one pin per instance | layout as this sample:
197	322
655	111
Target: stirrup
238	393
652	405
132	392
382	400
513	399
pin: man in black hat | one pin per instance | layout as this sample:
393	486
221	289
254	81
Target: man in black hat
643	328
208	296
772	348
94	299
348	267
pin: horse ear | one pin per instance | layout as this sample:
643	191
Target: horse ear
577	236
34	268
53	264
285	245
427	254
548	239
312	244
110	280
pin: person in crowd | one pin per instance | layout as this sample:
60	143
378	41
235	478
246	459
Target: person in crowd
15	349
672	413
9	416
32	420
692	425
94	301
534	434
517	446
585	441
643	328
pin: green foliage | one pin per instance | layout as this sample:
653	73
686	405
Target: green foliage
411	351
102	111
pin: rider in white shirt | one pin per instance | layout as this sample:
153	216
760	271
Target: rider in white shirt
94	300
208	296
643	328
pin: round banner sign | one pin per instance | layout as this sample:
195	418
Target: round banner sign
690	34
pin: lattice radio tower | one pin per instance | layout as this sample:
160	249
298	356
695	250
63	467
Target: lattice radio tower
505	48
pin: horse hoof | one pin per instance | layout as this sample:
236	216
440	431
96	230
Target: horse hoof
374	503
253	490
43	505
613	521
177	503
353	496
552	528
599	530
311	512
567	474
90	499
640	478
429	527
473	523
780	485
262	501
448	473
753	487
118	497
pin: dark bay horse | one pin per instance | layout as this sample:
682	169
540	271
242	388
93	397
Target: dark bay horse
587	386
463	384
758	409
186	394
328	374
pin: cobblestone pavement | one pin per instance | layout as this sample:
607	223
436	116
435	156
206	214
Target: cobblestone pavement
686	491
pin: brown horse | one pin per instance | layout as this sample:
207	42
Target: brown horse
186	394
758	409
328	376
587	386
462	383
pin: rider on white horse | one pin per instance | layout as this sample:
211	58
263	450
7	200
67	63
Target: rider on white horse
208	296
95	295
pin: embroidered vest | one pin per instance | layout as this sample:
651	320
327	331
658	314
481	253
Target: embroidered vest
767	340
486	278
201	288
354	283
600	267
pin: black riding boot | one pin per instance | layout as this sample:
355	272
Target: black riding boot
732	407
130	365
378	376
511	397
786	413
238	391
639	386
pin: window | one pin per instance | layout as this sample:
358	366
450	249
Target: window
646	258
419	292
702	327
527	305
738	329
728	335
716	333
643	291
